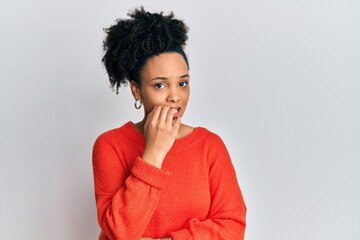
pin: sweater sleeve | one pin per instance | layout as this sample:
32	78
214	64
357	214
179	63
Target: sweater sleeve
227	216
124	196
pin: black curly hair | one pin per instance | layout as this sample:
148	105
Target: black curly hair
131	42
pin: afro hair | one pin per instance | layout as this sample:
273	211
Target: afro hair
130	42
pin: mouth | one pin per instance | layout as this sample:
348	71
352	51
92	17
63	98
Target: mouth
177	114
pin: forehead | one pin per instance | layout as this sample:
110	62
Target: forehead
166	65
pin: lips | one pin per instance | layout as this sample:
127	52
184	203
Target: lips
177	114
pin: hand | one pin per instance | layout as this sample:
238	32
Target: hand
160	131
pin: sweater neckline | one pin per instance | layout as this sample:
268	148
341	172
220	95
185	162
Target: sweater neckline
180	144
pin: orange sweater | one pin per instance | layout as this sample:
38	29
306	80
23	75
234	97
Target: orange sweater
194	196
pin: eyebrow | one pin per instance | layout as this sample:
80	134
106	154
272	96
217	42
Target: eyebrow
165	78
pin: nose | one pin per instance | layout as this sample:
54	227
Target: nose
173	95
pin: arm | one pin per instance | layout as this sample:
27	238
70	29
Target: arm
126	200
120	196
226	219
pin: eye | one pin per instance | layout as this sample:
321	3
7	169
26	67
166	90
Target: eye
183	83
159	85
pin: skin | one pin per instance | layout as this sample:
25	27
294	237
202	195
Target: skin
165	92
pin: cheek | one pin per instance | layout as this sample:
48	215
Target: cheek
186	95
151	100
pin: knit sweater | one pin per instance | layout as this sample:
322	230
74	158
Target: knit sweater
195	195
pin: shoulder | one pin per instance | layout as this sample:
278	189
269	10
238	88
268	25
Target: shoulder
214	143
208	139
186	130
211	137
218	153
111	135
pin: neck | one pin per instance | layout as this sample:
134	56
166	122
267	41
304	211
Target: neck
139	126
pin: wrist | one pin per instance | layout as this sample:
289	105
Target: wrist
153	159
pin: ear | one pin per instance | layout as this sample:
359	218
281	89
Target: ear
135	90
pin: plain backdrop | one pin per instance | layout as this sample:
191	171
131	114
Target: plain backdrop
279	81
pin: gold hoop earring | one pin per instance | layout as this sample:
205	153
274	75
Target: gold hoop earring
138	104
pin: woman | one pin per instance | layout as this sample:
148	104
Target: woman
160	178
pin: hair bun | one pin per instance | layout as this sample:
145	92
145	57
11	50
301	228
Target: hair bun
157	31
131	41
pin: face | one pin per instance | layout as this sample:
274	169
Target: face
164	82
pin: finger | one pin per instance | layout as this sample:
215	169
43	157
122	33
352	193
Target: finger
153	115
170	117
176	125
163	114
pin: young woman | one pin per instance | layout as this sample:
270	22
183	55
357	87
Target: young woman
160	178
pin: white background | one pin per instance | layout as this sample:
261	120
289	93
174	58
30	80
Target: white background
277	80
